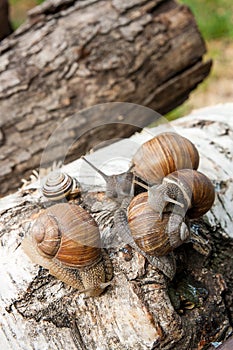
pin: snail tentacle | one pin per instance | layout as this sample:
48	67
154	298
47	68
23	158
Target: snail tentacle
118	186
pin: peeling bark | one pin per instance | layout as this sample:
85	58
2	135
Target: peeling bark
141	309
74	54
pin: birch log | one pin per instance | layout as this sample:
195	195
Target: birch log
70	55
135	312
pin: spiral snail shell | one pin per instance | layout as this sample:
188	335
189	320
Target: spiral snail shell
153	235
157	221
59	185
65	239
164	154
190	191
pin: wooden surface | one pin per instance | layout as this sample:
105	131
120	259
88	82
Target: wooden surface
39	312
70	55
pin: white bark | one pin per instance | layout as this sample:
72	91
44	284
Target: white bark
129	314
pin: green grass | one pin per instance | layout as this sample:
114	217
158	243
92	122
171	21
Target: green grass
15	2
177	112
19	8
214	17
215	22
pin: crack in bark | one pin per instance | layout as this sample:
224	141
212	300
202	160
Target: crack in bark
76	335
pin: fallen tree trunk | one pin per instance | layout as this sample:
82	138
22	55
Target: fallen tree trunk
139	310
74	54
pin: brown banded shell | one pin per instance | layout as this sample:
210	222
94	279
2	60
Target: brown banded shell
46	234
197	189
59	185
164	154
153	235
65	239
69	234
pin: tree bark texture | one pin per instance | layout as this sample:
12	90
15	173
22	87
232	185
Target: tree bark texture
70	55
141	309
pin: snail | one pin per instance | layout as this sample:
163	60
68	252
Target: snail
118	186
154	238
59	185
153	235
164	154
156	222
190	191
65	239
156	158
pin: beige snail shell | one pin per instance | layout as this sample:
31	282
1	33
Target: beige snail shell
59	185
65	239
164	154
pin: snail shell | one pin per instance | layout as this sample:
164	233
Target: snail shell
192	191
153	235
65	239
59	185
163	154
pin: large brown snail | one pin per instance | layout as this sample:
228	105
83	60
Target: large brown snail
156	223
152	234
65	239
154	238
163	154
59	185
190	191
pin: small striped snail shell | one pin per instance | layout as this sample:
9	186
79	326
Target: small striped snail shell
65	239
163	154
59	185
190	193
154	235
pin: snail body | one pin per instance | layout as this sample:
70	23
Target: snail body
65	239
118	186
59	185
164	154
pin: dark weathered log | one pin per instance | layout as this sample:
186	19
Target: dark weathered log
5	25
141	310
74	54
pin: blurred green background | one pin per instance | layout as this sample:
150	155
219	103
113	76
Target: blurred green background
214	17
215	21
19	8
